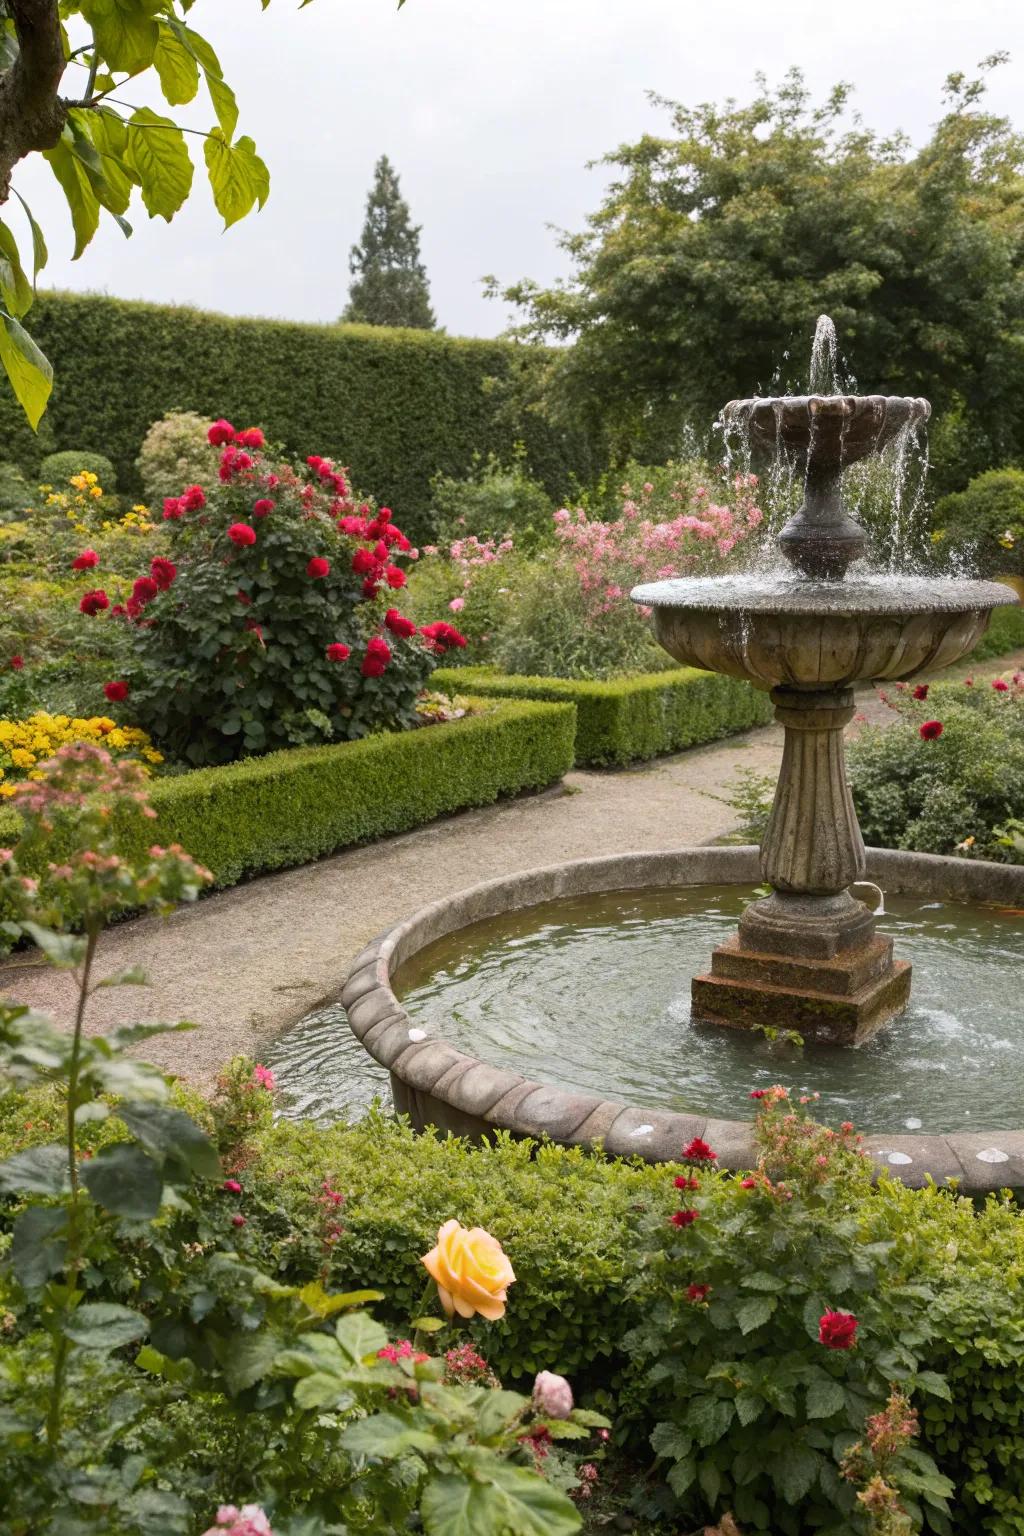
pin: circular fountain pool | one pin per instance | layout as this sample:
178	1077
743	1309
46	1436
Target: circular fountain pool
592	993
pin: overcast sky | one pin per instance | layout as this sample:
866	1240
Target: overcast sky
490	110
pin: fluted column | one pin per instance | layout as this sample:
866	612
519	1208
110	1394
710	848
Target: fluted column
813	845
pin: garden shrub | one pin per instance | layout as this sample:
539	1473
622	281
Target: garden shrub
398	406
983	524
290	807
1005	633
478	581
493	501
176	451
632	718
24	744
15	493
58	468
270	623
949	774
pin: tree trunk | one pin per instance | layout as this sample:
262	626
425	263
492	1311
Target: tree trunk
32	113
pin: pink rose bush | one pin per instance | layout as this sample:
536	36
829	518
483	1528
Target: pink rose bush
265	626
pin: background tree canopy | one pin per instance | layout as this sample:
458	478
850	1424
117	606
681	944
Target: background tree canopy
700	277
390	286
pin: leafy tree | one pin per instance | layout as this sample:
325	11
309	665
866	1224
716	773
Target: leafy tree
99	146
718	244
390	286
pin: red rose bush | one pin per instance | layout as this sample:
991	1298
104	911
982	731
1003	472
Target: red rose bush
271	621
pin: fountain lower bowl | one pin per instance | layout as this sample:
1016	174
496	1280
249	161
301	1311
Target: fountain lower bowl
790	632
436	1084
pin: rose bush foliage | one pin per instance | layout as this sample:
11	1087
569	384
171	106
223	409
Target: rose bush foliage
271	620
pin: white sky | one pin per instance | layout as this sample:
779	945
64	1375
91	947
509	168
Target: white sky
489	110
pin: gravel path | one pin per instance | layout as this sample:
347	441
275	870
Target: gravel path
246	963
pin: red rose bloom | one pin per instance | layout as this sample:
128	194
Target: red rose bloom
17	662
369	587
263	507
318	567
442	637
221	432
242	535
399	624
352	525
363	562
116	692
758	1093
372	666
252	437
748	1183
683	1218
378	646
193	498
837	1330
163	572
699	1152
174	507
85	561
238	1220
1000	685
931	730
144	590
394	576
920	692
338	652
681	1181
94	602
697	1292
384	515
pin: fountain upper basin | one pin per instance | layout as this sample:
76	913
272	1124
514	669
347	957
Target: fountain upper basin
786	631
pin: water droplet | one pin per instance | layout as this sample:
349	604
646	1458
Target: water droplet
417	1034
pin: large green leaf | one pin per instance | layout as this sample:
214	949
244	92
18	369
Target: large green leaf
359	1336
173	1134
385	1435
40	255
82	200
15	288
36	1171
38	1244
238	176
125	32
107	177
125	1181
708	1418
496	1497
793	1471
755	1313
29	372
176	65
221	94
104	1325
824	1398
156	152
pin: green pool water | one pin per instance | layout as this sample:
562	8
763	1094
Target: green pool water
593	994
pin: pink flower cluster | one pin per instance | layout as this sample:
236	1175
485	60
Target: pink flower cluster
250	1520
611	557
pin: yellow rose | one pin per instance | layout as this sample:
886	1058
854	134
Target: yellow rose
471	1271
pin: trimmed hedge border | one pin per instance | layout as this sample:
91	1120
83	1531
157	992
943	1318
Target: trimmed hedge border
631	718
396	405
292	807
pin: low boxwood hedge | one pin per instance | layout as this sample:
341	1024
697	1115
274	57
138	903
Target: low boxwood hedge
290	807
631	718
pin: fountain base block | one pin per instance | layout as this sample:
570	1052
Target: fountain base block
838	1000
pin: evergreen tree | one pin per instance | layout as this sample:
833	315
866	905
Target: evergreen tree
390	286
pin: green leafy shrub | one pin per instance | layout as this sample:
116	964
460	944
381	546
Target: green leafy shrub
478	582
951	790
398	406
128	1390
493	501
291	807
984	523
175	452
270	624
632	718
15	493
57	468
1005	633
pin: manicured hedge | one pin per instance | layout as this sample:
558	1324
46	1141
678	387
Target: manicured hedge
633	717
290	807
395	405
1005	633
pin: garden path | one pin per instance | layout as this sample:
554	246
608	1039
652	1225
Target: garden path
246	963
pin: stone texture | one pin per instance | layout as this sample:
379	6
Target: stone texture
906	1156
989	1159
818	1016
553	1112
812	844
481	1087
842	976
657	1135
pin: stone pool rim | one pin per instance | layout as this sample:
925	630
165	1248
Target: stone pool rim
435	1084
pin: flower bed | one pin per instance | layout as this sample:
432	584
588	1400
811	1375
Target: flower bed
290	807
631	718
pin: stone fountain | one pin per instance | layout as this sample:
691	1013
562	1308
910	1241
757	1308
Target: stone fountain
808	956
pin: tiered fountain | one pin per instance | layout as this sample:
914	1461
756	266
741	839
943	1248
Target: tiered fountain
808	956
532	1002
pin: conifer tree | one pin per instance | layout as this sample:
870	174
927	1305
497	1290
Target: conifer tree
390	281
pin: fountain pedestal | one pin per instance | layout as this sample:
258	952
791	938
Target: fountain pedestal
808	957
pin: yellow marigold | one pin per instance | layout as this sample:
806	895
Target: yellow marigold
7	790
22	759
96	490
152	755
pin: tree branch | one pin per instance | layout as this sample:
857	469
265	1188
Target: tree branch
32	114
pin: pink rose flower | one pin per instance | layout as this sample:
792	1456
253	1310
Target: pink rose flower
552	1396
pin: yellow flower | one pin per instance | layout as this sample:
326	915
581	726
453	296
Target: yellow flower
8	789
152	755
471	1270
96	490
22	759
938	535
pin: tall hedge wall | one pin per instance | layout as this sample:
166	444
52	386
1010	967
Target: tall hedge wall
395	405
